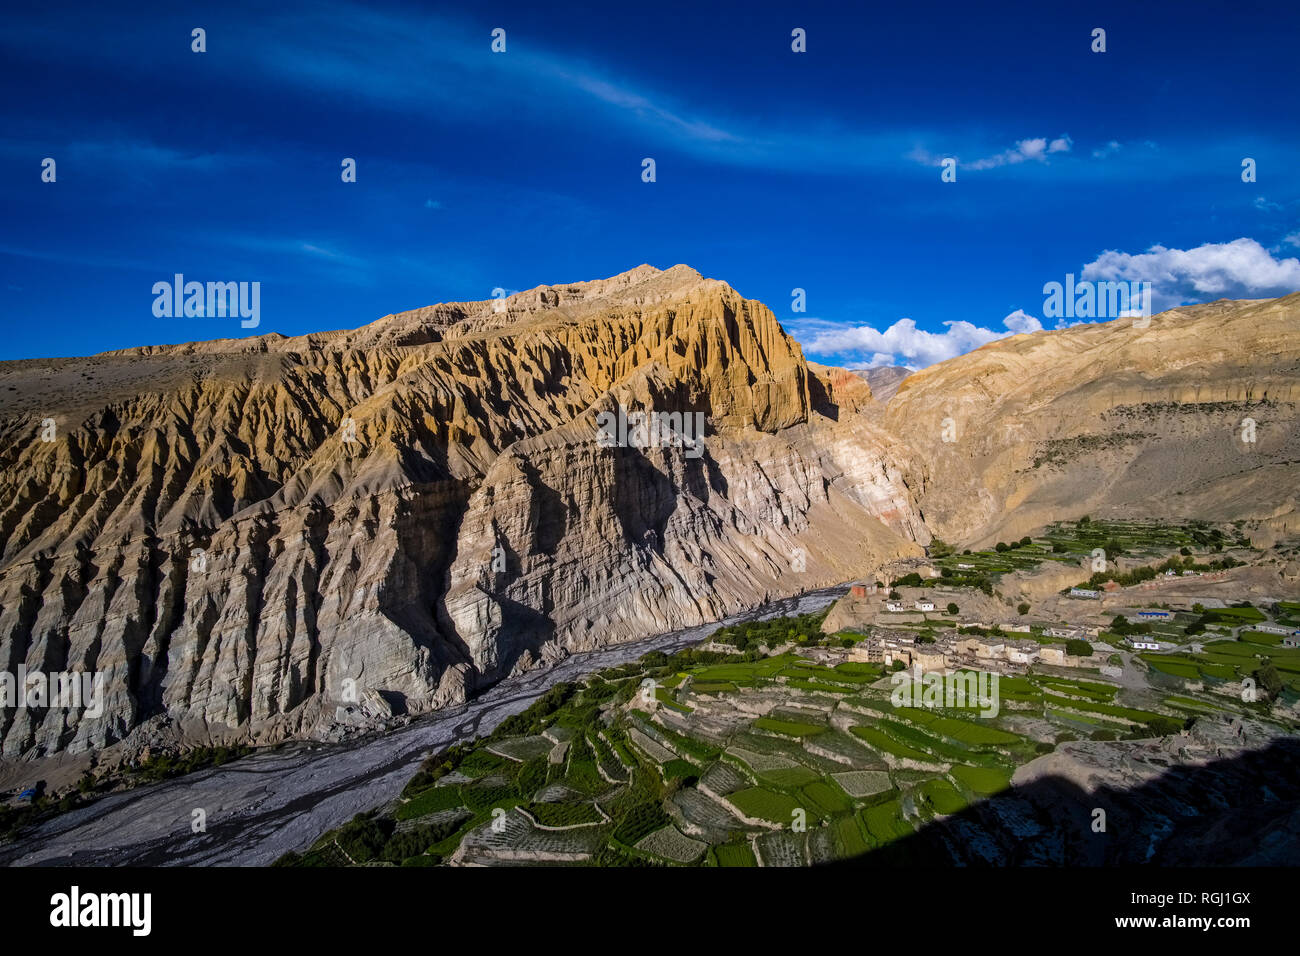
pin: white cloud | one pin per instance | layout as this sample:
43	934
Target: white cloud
1037	149
1027	149
902	343
1020	321
1241	269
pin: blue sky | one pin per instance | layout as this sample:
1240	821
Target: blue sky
775	170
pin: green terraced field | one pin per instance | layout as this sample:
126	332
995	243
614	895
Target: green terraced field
829	798
430	801
789	728
942	796
885	822
788	776
883	742
982	780
764	804
1126	713
966	731
733	854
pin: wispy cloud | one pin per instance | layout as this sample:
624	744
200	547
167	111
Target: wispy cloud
284	246
1037	149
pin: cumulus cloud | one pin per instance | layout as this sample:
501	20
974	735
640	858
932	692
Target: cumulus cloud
902	343
1241	269
1020	321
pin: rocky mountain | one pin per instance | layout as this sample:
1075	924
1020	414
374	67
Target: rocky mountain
262	537
884	379
257	538
1194	416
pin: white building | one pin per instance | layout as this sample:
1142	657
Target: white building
925	605
1270	629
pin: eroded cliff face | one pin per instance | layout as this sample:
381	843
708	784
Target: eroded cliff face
1195	416
275	536
257	538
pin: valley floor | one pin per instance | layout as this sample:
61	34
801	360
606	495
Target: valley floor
269	803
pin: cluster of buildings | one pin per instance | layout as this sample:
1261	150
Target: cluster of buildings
954	650
898	607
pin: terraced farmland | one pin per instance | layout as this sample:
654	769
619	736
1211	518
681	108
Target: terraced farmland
737	759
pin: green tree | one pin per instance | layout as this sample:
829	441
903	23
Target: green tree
952	608
1269	680
1022	607
1078	647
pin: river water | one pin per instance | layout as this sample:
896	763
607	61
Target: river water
280	799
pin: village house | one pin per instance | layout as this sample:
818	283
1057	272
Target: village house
1087	593
1069	633
1022	652
929	658
1054	654
925	605
986	648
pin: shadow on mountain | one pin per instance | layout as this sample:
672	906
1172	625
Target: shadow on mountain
1238	811
820	400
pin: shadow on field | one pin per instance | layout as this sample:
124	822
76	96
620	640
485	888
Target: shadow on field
1242	811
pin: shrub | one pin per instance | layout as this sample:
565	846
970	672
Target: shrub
1023	608
1268	680
1164	726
